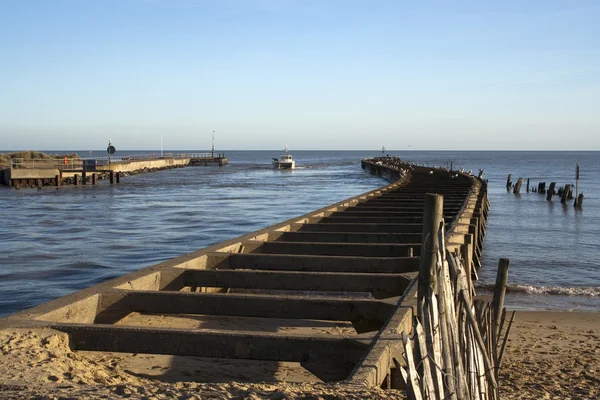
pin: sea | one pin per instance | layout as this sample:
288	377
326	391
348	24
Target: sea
59	240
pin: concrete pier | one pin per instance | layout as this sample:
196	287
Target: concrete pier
355	262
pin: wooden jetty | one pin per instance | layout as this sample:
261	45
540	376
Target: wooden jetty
355	263
77	171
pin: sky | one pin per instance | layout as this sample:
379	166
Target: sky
315	74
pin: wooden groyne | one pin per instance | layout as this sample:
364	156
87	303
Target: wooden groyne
77	171
565	193
354	264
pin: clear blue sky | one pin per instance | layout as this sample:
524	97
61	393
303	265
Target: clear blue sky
317	74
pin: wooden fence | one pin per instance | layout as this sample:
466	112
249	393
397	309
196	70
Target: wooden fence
458	341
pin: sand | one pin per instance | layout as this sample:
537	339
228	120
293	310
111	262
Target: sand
550	355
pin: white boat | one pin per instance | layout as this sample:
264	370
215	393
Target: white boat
285	160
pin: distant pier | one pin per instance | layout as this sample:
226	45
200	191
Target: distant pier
77	171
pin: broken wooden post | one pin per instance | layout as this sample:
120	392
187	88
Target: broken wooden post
579	200
517	188
76	179
527	185
432	219
508	183
118	177
57	180
565	194
111	177
550	191
94	178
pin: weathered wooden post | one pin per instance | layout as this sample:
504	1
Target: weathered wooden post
111	177
499	292
550	191
94	178
467	255
38	183
576	184
579	200
508	183
517	188
118	176
565	194
76	179
83	177
432	219
527	185
57	180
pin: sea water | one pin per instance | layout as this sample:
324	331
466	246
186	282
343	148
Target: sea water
56	241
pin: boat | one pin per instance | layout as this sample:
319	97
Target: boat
285	160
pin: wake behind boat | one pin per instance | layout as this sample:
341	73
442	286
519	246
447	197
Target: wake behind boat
285	160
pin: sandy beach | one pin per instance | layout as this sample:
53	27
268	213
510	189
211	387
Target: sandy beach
550	355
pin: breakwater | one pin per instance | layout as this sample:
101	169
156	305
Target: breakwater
342	248
75	171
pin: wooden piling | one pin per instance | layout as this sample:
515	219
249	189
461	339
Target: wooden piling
83	177
57	180
565	194
576	184
111	177
432	219
579	200
508	183
550	191
517	188
94	178
118	177
527	185
76	179
543	187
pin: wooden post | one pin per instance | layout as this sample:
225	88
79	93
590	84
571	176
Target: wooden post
527	185
579	200
57	180
576	184
38	183
118	176
467	256
111	177
83	177
550	191
508	183
499	292
432	219
76	179
565	194
517	188
94	178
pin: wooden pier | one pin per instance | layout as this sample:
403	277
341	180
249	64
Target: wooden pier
76	171
353	264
